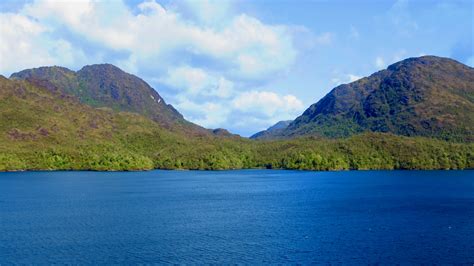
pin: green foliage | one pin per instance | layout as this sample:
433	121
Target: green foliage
11	162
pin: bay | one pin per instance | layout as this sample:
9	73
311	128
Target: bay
242	216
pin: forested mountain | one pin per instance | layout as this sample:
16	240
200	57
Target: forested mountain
425	96
99	118
105	85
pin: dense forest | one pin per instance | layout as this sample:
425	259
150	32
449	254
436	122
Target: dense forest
144	152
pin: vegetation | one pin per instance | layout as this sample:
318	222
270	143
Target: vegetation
367	151
427	96
105	85
44	125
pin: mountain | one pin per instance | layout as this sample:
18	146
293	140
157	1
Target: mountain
43	128
38	127
273	130
424	96
223	132
105	85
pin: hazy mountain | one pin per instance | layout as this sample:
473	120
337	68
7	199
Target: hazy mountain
425	96
275	129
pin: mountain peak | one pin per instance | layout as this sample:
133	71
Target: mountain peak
421	96
103	66
52	71
106	85
423	61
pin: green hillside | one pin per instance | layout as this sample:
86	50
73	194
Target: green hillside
44	125
427	96
105	85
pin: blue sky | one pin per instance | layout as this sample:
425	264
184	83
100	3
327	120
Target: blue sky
240	65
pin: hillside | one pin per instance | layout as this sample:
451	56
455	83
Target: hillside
43	127
105	85
426	96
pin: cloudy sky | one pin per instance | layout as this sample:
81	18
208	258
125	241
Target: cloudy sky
240	65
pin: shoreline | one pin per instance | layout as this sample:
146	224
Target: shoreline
221	170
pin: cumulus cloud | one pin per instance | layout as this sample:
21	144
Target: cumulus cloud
250	48
208	12
207	114
22	45
266	103
18	33
196	81
247	112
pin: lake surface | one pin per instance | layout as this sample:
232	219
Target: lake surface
248	216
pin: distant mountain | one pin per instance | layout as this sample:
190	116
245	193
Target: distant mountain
273	130
105	85
425	96
223	132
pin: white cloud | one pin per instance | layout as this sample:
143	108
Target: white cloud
169	46
267	103
22	45
196	81
208	114
71	12
254	109
249	48
16	46
208	12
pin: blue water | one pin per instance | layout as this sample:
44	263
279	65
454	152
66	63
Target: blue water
250	216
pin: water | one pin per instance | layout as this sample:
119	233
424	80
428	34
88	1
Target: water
250	216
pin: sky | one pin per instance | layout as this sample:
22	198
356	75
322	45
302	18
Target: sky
239	65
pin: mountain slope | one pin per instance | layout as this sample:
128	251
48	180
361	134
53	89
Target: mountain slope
38	125
105	85
273	130
425	96
44	129
51	130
